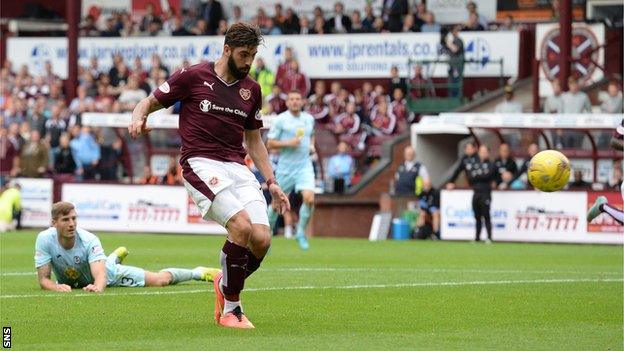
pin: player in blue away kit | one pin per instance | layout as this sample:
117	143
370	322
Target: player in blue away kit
292	132
77	258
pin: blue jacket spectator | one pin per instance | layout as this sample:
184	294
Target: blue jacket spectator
341	164
87	153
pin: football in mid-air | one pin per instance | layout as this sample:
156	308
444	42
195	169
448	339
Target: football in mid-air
549	171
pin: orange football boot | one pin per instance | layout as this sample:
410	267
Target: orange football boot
219	298
236	319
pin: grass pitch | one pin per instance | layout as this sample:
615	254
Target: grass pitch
341	295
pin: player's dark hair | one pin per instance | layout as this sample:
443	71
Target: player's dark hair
243	35
61	208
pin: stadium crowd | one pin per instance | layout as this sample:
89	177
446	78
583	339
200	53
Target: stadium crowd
210	18
42	135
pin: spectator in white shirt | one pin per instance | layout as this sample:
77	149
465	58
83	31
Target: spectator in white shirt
574	101
552	103
509	105
430	25
131	94
82	102
613	102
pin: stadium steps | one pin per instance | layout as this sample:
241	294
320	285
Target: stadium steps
361	201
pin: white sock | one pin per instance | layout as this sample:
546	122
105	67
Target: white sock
231	305
114	257
179	275
197	274
614	212
288	232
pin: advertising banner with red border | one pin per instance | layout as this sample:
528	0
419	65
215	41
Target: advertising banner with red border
136	208
524	216
605	223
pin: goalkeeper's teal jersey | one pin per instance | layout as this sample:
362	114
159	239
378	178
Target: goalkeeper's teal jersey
287	127
71	266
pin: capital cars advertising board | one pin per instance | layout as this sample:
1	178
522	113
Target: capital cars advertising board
132	208
320	56
36	201
524	216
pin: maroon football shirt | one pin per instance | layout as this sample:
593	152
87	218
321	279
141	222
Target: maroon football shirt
214	114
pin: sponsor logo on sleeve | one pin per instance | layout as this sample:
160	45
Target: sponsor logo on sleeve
97	250
164	87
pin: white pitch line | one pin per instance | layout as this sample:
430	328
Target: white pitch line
14	274
389	269
338	287
458	270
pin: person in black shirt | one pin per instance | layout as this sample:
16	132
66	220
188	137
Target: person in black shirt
396	81
504	163
409	173
464	164
64	160
178	29
428	222
454	46
480	177
579	183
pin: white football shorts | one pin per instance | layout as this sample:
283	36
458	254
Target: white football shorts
222	189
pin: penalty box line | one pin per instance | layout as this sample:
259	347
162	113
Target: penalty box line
336	287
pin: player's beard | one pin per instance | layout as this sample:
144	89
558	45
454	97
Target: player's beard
235	71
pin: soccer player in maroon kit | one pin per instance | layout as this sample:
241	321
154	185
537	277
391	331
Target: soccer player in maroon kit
221	108
601	205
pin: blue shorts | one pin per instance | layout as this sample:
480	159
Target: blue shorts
120	275
300	180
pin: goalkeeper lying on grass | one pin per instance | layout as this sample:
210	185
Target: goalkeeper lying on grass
77	258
